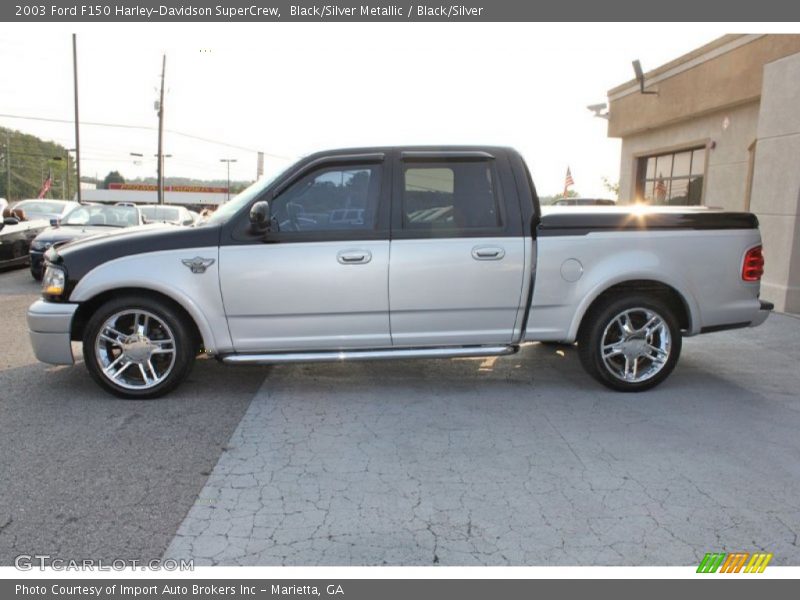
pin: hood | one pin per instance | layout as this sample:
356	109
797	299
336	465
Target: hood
81	256
68	233
23	226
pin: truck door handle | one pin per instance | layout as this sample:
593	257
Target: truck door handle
354	257
488	253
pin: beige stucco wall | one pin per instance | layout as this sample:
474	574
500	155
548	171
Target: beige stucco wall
736	93
732	131
732	77
776	182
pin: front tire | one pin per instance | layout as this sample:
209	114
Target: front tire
631	343
138	347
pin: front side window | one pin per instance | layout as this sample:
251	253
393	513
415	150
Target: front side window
672	179
454	196
42	207
330	199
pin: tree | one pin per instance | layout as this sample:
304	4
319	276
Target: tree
611	187
547	200
26	161
112	177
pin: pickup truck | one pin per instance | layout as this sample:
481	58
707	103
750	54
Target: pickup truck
399	252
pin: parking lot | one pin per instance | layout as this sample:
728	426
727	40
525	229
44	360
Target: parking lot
521	460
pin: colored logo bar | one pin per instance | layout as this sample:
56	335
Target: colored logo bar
735	562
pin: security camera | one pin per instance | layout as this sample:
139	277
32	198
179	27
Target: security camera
598	109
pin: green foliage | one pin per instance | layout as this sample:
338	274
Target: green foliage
547	200
611	186
112	177
30	160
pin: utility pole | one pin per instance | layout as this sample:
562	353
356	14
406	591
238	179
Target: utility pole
66	174
77	121
161	134
228	189
8	165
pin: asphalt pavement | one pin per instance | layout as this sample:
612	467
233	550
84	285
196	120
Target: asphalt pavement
87	475
513	461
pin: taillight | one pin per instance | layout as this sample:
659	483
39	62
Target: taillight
753	266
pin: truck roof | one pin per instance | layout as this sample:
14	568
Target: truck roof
414	148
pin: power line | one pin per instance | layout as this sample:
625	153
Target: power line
146	128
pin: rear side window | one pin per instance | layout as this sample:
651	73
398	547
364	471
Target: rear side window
450	196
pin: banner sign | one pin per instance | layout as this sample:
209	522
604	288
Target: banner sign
151	187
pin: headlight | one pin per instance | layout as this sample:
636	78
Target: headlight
40	246
54	281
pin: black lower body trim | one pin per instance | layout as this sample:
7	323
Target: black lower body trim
725	327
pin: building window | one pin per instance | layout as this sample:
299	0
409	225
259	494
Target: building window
673	179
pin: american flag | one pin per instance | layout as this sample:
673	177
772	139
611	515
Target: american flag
46	185
568	181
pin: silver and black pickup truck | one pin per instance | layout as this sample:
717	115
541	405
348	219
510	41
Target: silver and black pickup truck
410	252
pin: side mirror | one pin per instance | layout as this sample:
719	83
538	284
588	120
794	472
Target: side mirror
10	221
54	222
259	216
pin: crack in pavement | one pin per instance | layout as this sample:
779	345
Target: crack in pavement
448	463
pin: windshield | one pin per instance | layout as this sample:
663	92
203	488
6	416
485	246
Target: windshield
41	207
160	213
103	216
232	206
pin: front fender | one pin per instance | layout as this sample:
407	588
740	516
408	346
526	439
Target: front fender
165	273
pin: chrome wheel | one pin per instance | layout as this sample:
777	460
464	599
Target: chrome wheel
636	345
135	349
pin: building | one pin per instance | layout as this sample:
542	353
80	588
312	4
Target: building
191	196
723	130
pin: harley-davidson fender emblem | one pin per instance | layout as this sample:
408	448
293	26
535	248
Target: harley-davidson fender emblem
198	264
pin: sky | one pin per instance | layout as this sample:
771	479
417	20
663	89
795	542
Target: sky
289	89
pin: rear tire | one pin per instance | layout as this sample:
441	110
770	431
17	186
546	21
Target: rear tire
630	343
139	347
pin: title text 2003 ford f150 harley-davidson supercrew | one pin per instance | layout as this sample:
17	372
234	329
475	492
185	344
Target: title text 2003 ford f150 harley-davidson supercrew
412	252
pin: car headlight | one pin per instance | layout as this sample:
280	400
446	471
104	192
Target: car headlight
54	281
40	246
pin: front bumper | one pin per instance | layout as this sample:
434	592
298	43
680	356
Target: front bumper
49	326
763	313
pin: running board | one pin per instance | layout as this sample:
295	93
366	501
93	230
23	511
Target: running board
277	358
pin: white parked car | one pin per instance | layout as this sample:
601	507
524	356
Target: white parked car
49	210
164	213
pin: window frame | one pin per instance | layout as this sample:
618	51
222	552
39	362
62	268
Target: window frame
502	181
320	170
241	230
642	180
